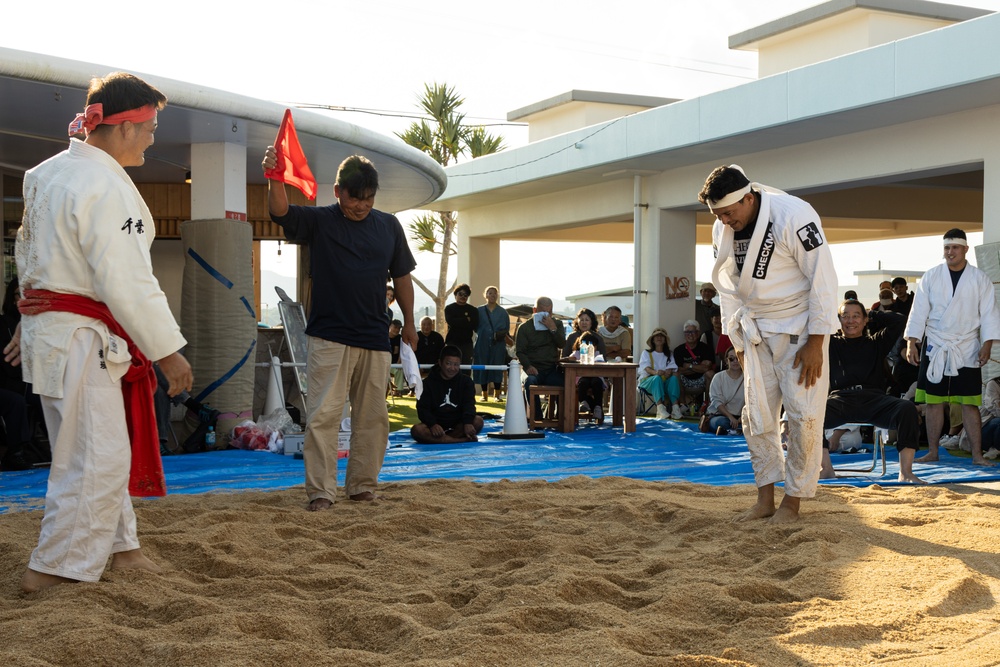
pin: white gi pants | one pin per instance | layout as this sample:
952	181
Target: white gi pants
805	410
88	512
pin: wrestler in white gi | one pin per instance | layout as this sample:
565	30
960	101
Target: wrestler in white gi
778	292
83	249
955	312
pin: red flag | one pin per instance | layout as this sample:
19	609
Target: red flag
292	167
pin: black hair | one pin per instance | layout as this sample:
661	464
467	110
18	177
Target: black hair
121	91
358	177
450	351
955	233
721	182
462	288
589	313
898	281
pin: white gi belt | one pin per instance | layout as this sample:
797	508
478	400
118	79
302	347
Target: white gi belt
745	336
945	356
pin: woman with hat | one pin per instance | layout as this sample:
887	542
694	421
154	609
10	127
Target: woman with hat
658	374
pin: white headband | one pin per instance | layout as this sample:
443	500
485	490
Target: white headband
950	241
730	199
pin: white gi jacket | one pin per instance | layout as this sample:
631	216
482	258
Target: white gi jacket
87	231
956	325
788	284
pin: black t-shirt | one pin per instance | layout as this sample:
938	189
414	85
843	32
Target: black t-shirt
429	347
462	321
350	262
741	242
700	352
394	348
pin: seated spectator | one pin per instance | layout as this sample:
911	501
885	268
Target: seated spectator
726	398
538	343
857	386
696	366
990	413
590	390
658	374
429	344
717	341
705	308
617	338
585	321
447	406
396	375
850	294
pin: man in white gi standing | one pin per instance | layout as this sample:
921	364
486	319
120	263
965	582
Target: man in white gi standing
94	318
778	292
955	312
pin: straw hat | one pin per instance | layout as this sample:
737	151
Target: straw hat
657	330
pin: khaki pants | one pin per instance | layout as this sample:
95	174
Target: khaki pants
336	372
88	512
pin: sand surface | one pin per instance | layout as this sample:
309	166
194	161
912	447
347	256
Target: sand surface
579	572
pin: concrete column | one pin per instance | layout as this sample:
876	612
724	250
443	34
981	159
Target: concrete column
218	181
668	264
482	266
991	196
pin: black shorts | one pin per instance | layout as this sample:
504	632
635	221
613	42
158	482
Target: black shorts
966	388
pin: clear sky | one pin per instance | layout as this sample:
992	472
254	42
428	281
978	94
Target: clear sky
375	58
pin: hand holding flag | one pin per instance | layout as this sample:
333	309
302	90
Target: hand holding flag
292	167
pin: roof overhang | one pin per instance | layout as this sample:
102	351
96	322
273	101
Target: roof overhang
40	95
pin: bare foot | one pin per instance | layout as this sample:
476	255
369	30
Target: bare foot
32	581
758	511
133	560
929	457
827	474
784	514
320	504
980	461
364	497
911	478
788	511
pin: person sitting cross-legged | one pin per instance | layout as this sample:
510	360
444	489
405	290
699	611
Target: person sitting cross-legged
447	406
858	382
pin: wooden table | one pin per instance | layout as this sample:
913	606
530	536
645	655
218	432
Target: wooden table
623	385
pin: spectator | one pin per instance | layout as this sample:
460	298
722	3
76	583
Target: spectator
447	406
884	303
463	321
658	374
884	286
585	321
590	390
857	386
429	344
705	307
850	294
696	366
717	341
726	397
538	343
397	377
904	299
617	339
491	342
390	298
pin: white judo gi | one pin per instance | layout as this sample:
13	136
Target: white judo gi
956	325
786	292
87	231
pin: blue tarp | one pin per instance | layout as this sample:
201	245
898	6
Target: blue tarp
659	450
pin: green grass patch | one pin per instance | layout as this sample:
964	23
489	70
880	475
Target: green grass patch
403	411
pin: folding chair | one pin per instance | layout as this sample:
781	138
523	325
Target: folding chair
644	402
878	449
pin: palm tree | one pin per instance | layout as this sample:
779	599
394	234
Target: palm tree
445	138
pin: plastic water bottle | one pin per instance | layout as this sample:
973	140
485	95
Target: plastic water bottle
591	351
584	353
210	438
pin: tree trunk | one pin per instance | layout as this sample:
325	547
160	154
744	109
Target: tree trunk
449	220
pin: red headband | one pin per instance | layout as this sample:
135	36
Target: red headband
93	116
